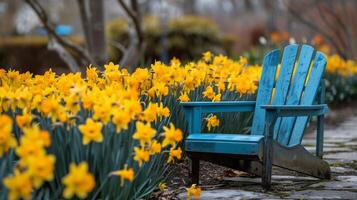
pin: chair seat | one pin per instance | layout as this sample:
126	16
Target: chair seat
225	143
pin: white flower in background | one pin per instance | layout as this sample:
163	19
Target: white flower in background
262	40
26	20
292	40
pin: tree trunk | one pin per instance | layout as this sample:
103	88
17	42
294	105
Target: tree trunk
98	31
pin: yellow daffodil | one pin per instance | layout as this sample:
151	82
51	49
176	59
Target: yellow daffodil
171	136
7	140
121	120
184	98
212	121
144	133
19	185
92	131
194	192
78	182
125	174
29	148
150	113
34	133
174	153
102	112
209	93
155	147
23	120
91	73
141	155
163	111
162	186
207	56
41	169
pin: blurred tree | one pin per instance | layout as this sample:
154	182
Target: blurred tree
334	20
92	19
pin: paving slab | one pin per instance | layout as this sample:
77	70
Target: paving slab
322	194
233	194
342	170
329	149
343	156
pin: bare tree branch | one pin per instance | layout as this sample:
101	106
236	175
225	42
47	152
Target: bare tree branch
134	15
316	28
325	15
118	45
86	24
132	54
84	57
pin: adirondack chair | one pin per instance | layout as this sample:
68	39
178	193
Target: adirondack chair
279	120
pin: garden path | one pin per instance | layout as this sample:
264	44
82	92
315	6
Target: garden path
340	151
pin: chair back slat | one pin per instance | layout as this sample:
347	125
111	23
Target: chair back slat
295	92
297	83
266	84
283	82
308	97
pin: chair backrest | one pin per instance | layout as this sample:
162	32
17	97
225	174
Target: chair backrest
295	81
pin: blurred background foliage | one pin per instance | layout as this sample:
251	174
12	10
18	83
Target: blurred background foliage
185	38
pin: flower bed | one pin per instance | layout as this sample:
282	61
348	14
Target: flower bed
107	135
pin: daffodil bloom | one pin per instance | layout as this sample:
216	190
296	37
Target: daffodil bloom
125	174
91	73
121	120
19	185
7	140
92	131
155	147
102	112
29	148
171	135
184	98
217	98
141	155
212	121
41	169
163	111
49	107
34	133
194	192
144	133
23	120
209	93
243	60
162	186
78	182
132	108
207	56
150	113
174	153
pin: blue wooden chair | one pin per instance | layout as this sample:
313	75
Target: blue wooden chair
279	120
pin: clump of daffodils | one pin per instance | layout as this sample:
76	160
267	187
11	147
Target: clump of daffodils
42	107
340	66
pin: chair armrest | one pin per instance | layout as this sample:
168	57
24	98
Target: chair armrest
296	110
223	106
193	110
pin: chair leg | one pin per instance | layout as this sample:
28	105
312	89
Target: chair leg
266	175
195	170
268	151
267	163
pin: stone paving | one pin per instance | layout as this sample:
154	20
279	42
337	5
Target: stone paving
340	151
